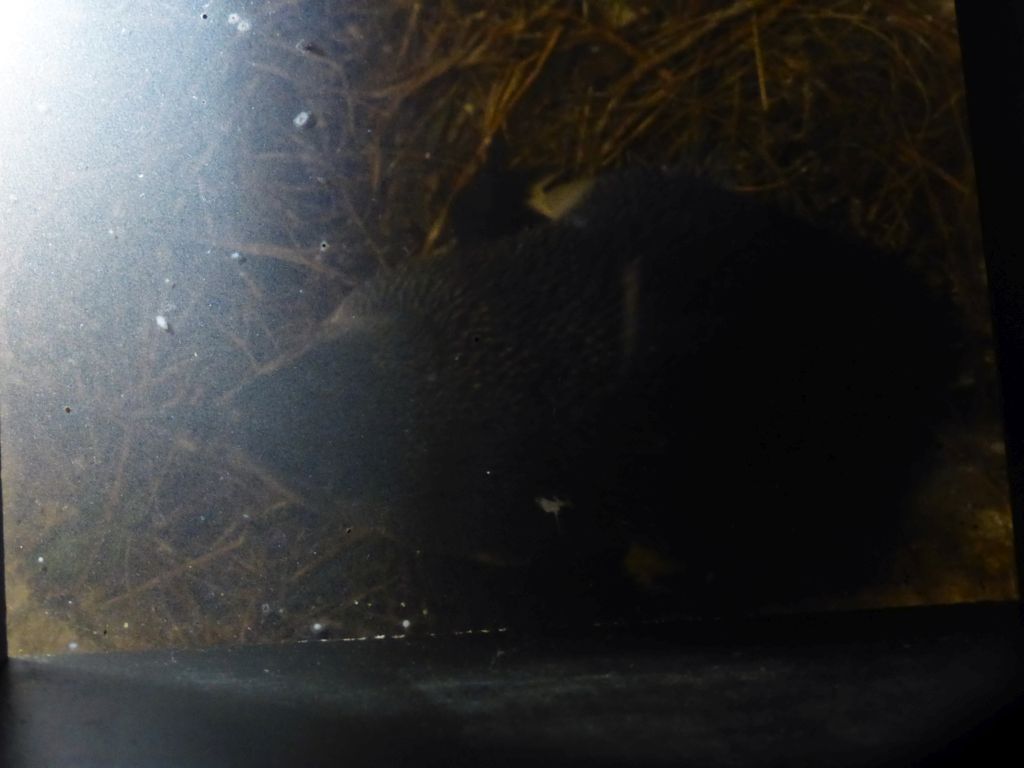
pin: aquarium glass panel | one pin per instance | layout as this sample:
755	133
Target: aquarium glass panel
383	318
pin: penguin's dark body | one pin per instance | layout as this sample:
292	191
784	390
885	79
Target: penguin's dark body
670	369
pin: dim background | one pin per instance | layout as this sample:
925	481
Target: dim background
188	189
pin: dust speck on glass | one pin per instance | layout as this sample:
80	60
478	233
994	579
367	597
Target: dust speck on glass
376	319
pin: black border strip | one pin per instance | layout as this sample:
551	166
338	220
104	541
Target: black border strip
992	50
3	586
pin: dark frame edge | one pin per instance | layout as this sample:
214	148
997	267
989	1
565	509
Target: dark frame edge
992	54
3	585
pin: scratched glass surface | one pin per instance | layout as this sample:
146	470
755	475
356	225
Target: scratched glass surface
389	318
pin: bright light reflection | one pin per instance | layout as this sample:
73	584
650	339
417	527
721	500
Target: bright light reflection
33	38
15	18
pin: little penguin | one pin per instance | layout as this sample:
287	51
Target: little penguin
664	388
